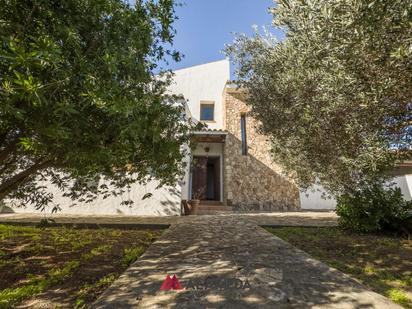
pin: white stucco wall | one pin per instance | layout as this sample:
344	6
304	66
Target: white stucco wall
405	184
203	82
316	198
185	182
312	199
164	201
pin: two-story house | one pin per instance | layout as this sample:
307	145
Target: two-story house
231	168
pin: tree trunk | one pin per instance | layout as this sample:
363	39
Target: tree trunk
11	184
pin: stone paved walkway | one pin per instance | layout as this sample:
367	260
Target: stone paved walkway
303	218
229	262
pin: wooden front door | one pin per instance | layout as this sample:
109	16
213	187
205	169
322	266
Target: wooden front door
206	178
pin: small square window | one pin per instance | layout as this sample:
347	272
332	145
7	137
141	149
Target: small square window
207	111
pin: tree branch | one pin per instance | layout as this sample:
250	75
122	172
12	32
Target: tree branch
10	184
9	149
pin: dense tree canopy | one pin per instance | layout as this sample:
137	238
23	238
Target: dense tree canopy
335	95
79	99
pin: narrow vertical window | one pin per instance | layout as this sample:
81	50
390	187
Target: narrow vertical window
243	133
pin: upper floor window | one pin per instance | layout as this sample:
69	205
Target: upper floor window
207	111
243	134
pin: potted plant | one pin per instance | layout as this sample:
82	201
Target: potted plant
195	201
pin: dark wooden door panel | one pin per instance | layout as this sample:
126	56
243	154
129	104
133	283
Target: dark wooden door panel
199	178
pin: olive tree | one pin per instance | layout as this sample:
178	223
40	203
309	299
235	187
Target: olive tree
334	97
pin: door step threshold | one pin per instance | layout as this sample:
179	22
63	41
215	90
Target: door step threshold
211	213
215	208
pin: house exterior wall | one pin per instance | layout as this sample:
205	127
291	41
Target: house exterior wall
317	198
404	182
165	201
204	82
252	182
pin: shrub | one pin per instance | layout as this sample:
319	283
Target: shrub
374	209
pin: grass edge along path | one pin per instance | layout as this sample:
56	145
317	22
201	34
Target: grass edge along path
381	262
35	285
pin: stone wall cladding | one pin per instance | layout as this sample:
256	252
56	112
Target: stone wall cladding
253	182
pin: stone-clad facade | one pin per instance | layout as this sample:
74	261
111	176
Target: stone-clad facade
252	182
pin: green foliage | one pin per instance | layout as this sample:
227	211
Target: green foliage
399	297
11	296
80	101
375	209
46	222
102	249
7	231
58	274
89	291
334	96
32	254
131	254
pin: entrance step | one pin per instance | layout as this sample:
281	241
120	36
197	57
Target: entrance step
212	203
211	212
213	208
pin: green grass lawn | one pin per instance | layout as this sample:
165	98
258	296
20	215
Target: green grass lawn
383	263
57	267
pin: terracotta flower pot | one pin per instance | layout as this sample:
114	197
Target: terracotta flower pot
195	206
